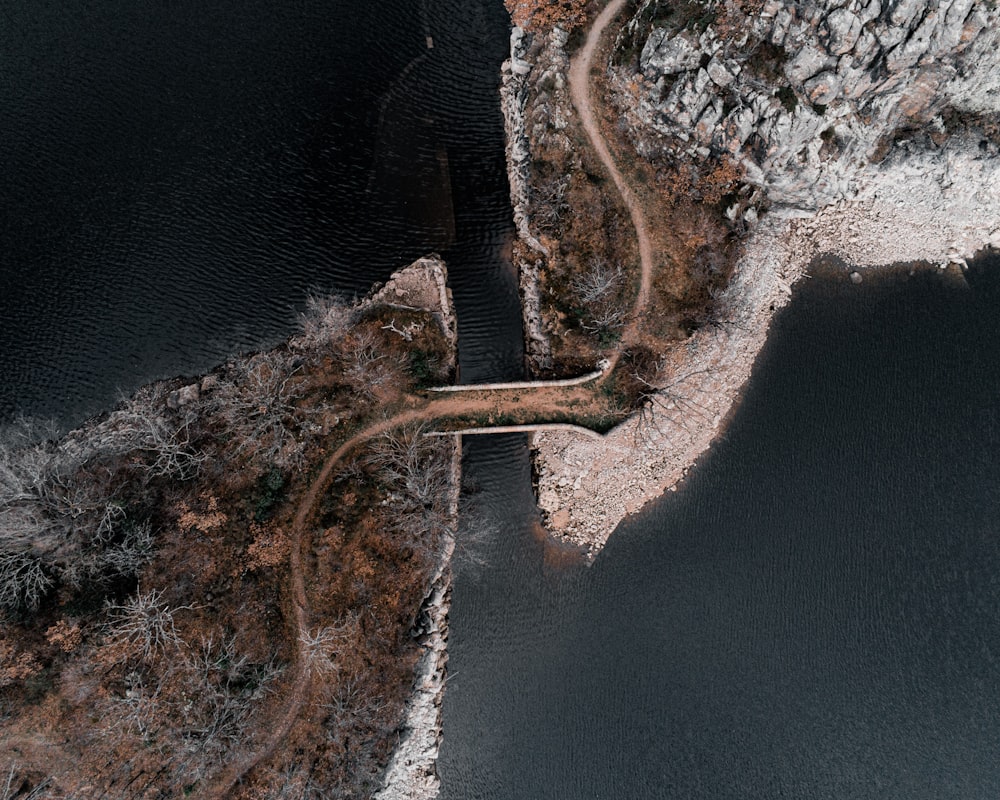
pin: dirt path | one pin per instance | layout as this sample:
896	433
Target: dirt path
540	401
580	85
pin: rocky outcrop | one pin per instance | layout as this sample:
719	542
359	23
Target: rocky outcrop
412	772
812	98
421	285
534	97
939	206
804	95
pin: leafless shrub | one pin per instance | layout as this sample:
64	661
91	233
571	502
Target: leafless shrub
136	711
598	290
318	649
141	428
668	399
23	580
605	318
600	281
13	785
222	687
549	205
57	522
417	470
368	368
130	551
145	624
325	320
256	403
296	783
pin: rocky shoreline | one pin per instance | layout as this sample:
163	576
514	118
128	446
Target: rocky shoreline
840	177
412	771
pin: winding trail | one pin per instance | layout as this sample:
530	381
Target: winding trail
580	86
544	401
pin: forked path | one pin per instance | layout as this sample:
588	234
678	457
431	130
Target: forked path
544	401
580	90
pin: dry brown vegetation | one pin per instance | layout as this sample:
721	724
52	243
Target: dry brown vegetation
543	15
579	216
150	635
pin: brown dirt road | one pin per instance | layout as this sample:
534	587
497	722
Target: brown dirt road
580	88
530	404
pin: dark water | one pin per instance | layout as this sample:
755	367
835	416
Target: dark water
178	176
815	614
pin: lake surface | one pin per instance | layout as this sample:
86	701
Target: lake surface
814	614
177	177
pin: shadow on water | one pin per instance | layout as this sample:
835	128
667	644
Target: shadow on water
814	613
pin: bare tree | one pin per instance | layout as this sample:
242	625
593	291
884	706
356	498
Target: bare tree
222	686
417	469
368	368
13	785
598	283
141	427
145	623
598	290
24	580
549	205
57	521
256	402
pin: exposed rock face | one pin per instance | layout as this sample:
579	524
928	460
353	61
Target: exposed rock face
805	94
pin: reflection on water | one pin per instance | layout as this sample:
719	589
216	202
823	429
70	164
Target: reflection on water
814	613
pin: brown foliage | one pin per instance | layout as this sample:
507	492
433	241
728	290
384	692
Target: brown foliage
543	15
153	691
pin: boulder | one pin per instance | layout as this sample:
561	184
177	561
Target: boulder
823	89
664	54
808	61
183	396
842	31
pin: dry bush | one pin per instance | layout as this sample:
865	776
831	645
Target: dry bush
16	786
144	624
325	321
61	519
599	290
417	470
549	205
371	369
721	177
543	15
255	401
216	689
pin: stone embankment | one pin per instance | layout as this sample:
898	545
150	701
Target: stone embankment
412	771
813	99
534	97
